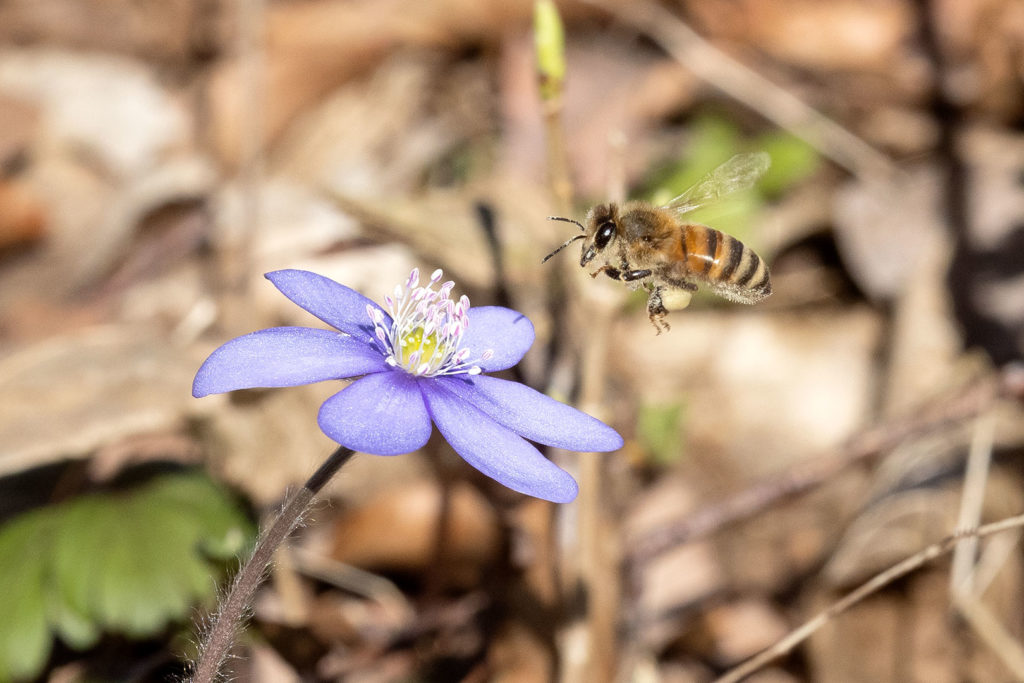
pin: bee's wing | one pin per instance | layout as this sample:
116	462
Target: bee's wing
737	173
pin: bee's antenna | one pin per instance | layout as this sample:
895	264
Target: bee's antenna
567	242
567	220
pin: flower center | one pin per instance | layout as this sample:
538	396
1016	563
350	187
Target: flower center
414	341
425	335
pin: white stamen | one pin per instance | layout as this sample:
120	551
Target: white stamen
425	334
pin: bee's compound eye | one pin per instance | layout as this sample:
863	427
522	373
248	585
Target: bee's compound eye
604	234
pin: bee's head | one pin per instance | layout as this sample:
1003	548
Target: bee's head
601	229
597	233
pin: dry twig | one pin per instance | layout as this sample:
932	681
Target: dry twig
965	587
947	412
752	89
877	582
979	459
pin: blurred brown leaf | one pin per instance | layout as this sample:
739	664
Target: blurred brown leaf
829	35
758	391
21	121
66	397
165	30
22	216
741	629
400	529
901	213
674	580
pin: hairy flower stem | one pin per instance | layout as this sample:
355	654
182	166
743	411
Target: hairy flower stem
218	640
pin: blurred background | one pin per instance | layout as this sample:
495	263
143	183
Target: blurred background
157	158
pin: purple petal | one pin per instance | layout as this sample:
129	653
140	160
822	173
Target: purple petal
508	333
533	415
494	450
284	357
337	305
383	414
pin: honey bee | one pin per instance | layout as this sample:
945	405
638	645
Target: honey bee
654	247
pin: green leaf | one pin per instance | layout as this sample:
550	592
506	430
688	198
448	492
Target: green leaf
226	533
179	575
130	562
155	565
124	588
659	429
792	161
74	628
77	553
25	640
713	140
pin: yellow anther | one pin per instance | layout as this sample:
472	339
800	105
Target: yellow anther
415	341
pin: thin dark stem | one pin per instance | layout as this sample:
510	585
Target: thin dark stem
218	640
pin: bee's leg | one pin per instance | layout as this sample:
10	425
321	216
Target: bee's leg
632	275
656	310
683	284
613	273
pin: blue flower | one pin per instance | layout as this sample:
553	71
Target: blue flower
420	362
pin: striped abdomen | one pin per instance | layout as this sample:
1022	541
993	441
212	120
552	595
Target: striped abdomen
728	265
